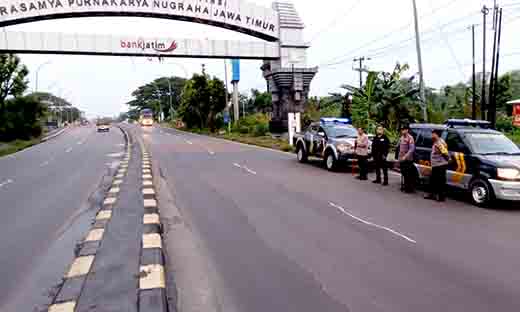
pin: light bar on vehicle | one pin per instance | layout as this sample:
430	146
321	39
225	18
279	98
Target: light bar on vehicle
332	120
453	123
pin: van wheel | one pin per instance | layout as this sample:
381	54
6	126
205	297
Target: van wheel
481	193
301	154
331	162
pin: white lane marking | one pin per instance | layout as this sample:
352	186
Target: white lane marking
249	170
189	142
45	163
81	142
68	150
8	181
372	224
245	168
211	152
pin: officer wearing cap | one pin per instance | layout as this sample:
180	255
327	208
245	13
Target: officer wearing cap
405	156
439	160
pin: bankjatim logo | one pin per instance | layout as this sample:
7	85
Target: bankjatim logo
143	45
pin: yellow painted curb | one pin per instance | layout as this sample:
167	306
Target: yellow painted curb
80	266
148	191
63	307
152	241
110	201
151	218
152	276
95	235
114	190
150	203
104	215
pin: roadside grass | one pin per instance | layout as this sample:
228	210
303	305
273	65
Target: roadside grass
7	148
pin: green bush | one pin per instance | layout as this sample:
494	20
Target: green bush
504	124
261	130
255	124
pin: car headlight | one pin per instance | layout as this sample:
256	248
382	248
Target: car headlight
344	148
508	173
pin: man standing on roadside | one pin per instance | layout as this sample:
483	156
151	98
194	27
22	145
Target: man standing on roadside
439	160
405	157
380	148
361	150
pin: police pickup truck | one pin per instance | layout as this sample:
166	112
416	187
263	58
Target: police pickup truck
331	139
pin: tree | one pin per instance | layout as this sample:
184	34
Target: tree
203	99
261	101
156	96
12	80
22	118
386	98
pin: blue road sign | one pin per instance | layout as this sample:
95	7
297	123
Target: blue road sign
226	117
236	69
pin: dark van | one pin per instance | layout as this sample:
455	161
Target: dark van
484	162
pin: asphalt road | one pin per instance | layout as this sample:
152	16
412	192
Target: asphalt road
284	236
48	194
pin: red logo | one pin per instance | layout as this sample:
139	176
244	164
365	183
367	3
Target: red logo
172	47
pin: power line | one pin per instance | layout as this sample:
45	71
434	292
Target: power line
347	56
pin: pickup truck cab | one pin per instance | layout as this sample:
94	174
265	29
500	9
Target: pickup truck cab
331	139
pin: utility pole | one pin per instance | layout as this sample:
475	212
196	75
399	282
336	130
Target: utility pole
497	59
492	86
419	61
483	104
474	79
171	102
360	69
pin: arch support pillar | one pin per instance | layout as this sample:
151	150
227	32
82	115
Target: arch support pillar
288	78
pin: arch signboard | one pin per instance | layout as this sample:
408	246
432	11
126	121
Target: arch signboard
236	15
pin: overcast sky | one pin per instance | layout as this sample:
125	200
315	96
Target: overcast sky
338	31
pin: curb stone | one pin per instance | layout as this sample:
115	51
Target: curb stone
152	277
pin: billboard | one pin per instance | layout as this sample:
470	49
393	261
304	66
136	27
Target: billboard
516	114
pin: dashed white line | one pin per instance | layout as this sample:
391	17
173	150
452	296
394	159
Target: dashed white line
245	168
371	223
249	170
81	142
189	142
211	152
45	163
8	181
68	150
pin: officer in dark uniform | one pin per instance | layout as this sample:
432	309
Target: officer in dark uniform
380	148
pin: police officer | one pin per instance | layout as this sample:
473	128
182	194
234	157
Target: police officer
405	156
380	148
361	150
439	161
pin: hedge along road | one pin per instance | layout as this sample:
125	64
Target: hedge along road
46	209
284	236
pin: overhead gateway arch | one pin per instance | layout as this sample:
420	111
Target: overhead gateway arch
283	49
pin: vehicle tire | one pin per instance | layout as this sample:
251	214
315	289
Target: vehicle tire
331	163
481	193
301	154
